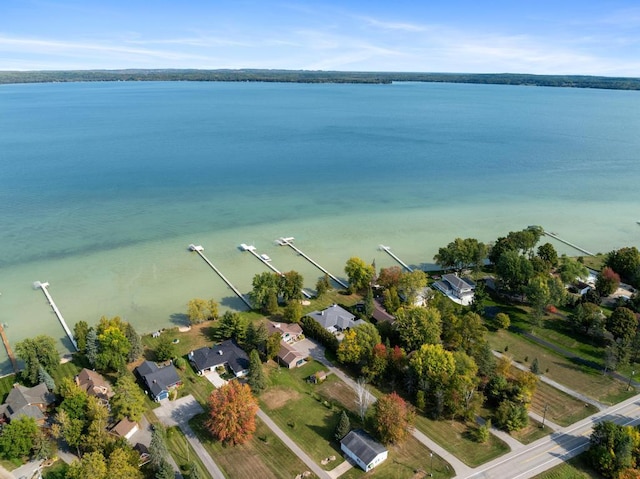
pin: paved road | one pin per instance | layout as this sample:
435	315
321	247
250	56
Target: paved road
178	413
552	450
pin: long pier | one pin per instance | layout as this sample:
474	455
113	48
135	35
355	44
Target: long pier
7	346
390	253
43	287
289	242
267	262
200	250
556	237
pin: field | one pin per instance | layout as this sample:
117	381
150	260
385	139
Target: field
562	409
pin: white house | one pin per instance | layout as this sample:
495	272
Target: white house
363	449
458	289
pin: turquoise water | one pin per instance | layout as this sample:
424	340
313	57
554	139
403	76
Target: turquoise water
104	185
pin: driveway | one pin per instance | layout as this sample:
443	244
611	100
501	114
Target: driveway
215	379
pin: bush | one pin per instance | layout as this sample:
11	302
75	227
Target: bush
313	329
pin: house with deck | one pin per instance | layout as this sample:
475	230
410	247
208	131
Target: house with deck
289	332
27	402
158	381
457	288
94	384
364	450
226	354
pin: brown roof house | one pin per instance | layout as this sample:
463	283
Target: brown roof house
24	401
125	428
288	356
289	332
94	384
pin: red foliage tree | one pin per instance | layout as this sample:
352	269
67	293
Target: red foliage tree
607	282
393	418
232	412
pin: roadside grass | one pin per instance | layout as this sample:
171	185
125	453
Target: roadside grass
575	376
531	433
458	438
407	460
263	457
301	412
184	454
574	468
562	409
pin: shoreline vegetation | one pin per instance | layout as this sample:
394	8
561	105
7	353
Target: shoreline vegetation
308	76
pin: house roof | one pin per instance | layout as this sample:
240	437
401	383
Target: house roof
226	352
158	379
334	316
456	282
124	427
24	401
380	313
94	384
283	328
362	445
288	354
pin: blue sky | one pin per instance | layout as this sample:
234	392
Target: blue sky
592	37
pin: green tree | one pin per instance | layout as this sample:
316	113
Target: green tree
358	343
256	379
92	465
433	365
411	284
68	429
293	312
113	350
36	352
256	336
197	310
18	438
232	326
548	254
96	437
391	300
514	271
74	400
360	274
368	303
165	471
323	286
128	399
417	326
273	345
165	348
42	447
158	449
610	448
265	289
80	331
502	320
92	347
461	254
377	363
120	467
622	324
393	418
626	262
45	377
570	269
290	286
135	341
343	427
588	318
511	416
213	306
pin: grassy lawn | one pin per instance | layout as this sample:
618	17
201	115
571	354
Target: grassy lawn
6	384
409	460
184	454
575	376
562	409
302	412
531	433
575	468
263	457
457	438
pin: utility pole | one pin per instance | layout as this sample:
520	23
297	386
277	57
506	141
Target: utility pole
544	415
431	467
630	378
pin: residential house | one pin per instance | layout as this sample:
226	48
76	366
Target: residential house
94	384
226	354
288	356
289	332
380	314
158	381
363	449
30	402
456	287
335	318
125	428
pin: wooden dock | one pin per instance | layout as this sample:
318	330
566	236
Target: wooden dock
556	237
267	262
289	242
7	346
200	250
390	253
43	287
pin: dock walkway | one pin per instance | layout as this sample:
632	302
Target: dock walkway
556	237
43	287
289	242
267	262
390	253
7	346
200	250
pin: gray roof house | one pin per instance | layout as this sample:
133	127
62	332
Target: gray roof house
334	318
456	288
24	401
226	353
159	381
363	449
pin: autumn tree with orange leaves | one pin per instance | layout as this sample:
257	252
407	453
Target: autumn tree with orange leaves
232	413
393	418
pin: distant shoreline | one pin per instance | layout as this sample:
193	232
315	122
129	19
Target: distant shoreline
307	76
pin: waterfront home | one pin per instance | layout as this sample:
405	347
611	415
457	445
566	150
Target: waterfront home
335	318
158	381
30	402
365	451
289	332
226	354
456	287
94	384
289	357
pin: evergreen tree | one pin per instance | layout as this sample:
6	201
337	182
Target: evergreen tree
535	366
45	377
135	341
80	331
158	449
368	303
323	286
165	471
343	427
256	378
91	351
